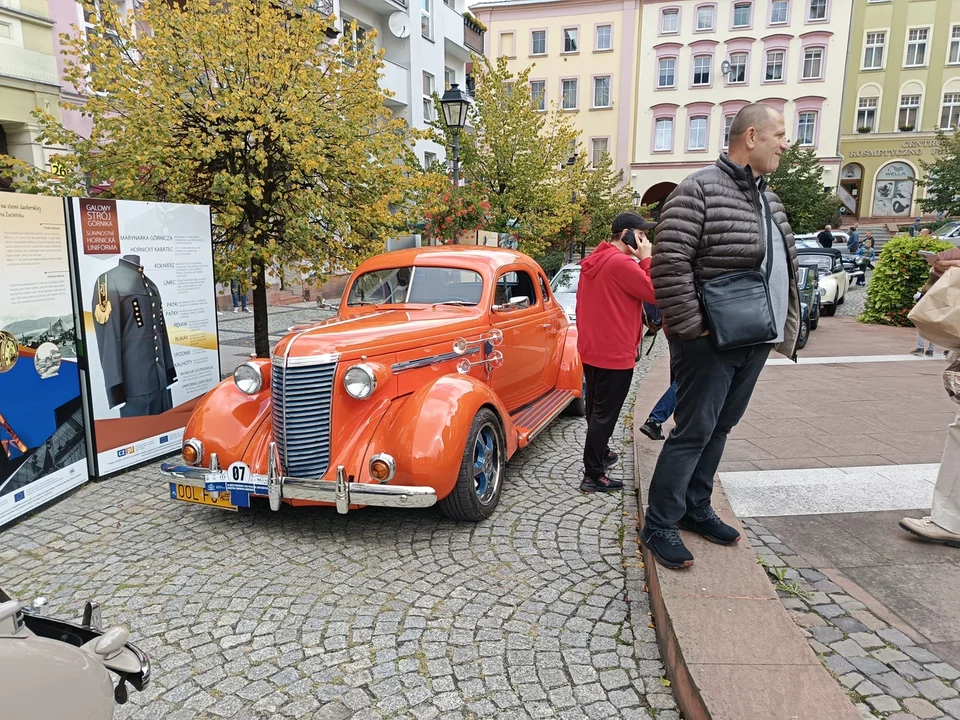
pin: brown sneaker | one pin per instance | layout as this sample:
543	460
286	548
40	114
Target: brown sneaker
926	529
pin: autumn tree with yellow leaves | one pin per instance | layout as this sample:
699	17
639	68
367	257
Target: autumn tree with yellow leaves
254	108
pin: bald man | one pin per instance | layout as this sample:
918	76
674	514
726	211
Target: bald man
721	219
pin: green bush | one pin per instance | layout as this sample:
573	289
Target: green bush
900	272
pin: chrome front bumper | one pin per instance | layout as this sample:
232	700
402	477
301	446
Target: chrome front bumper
277	487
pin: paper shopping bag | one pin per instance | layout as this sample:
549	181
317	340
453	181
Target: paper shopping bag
937	315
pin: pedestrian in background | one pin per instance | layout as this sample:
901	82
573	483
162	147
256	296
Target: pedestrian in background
661	413
825	236
853	239
239	295
613	287
865	257
720	220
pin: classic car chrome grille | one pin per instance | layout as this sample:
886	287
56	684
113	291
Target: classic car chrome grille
302	399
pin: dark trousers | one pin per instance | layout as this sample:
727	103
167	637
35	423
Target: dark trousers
713	391
149	404
606	391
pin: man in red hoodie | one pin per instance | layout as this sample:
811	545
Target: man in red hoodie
613	287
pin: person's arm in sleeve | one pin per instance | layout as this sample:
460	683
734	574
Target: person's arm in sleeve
634	279
678	239
108	343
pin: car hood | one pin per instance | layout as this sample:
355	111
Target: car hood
568	301
380	331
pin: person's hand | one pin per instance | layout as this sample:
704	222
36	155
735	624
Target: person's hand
644	248
941	266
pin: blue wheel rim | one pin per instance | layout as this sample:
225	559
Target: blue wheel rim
487	462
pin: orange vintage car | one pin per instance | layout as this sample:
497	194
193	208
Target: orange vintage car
440	364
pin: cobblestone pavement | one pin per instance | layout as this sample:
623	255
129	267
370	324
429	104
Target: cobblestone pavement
884	672
376	614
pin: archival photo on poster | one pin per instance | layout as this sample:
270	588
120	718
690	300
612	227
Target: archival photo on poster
42	440
145	280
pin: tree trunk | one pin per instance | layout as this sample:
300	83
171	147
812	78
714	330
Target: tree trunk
261	328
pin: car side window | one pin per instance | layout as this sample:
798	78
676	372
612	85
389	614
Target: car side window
544	292
514	284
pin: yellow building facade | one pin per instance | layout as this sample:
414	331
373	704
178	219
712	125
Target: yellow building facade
902	84
585	60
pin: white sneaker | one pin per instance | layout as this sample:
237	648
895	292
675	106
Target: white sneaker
928	530
236	310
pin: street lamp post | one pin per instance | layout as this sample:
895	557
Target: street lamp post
455	103
636	200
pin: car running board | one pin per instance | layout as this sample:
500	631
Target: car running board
532	419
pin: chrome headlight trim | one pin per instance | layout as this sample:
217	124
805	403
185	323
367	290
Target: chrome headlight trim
391	464
361	379
198	446
248	378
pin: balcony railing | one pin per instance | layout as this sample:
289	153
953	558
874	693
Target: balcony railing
472	35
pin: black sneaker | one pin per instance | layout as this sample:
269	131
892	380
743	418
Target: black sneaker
711	527
651	428
600	484
929	352
667	547
918	351
610	458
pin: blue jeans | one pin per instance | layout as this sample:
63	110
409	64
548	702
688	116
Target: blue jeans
239	300
665	405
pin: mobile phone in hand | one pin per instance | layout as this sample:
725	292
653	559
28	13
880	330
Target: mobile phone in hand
929	256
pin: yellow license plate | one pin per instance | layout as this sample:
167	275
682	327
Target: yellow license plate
188	493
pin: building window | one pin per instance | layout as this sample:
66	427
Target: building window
818	10
428	88
601	92
600	147
950	116
705	17
697	139
429	160
917	47
867	114
873	50
670	22
538	42
813	64
538	94
741	15
569	94
701	69
779	10
449	77
571	40
508	45
738	68
774	68
604	37
425	22
909	112
807	128
668	73
954	55
727	124
663	142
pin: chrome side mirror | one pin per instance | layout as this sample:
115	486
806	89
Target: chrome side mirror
494	337
517	303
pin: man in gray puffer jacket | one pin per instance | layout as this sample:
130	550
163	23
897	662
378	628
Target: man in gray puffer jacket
715	223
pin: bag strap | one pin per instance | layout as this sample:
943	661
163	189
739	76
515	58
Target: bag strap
769	217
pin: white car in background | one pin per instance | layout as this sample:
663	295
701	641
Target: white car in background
948	231
564	287
810	239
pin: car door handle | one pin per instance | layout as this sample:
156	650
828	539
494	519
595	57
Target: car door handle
546	325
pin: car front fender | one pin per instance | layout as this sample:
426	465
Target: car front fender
570	376
832	289
426	432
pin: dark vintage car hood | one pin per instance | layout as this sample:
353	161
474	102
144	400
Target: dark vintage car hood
381	331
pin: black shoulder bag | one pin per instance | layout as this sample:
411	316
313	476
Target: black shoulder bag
736	305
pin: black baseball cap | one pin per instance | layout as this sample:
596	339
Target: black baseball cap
631	220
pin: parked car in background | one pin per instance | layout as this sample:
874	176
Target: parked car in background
833	278
440	364
810	239
52	669
564	286
948	231
808	280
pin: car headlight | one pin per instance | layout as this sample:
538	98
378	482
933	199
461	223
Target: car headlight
360	382
248	378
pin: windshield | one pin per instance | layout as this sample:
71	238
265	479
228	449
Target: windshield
824	262
566	281
947	230
424	285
